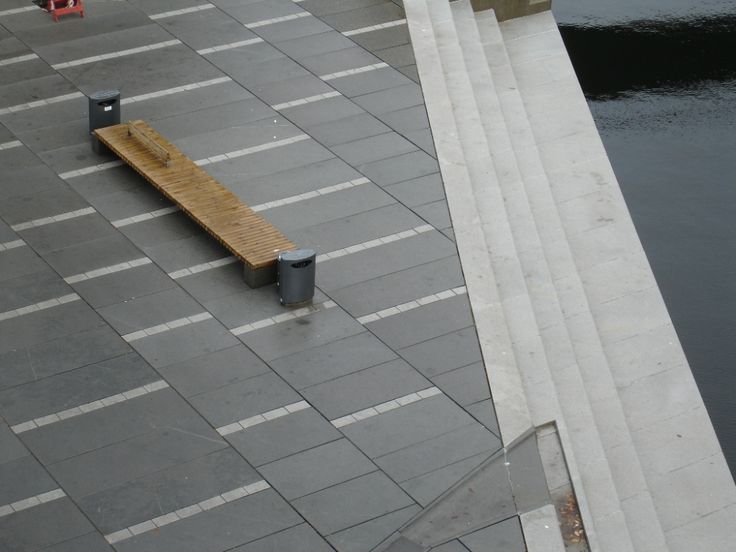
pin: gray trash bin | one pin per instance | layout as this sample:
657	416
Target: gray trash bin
104	111
296	272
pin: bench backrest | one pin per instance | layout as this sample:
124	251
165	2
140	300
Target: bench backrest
142	136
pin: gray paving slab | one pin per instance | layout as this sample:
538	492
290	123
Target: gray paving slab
293	29
52	134
75	155
151	7
77	348
466	385
31	289
315	113
282	437
42	526
400	287
437	452
411	424
212	284
364	16
391	99
301	538
368	82
119	287
206	29
28	179
424	323
374	148
397	56
485	413
244	399
32	69
308	332
14	159
452	546
160	230
23	478
332	360
366	536
168	490
19	262
348	129
339	60
213	370
324	7
383	38
316	469
91	542
266	72
75	387
238	61
366	388
106	182
194	250
352	502
505	535
10	446
418	191
316	44
287	90
40	88
376	262
424	139
130	202
52	237
444	353
400	168
259	11
90	255
407	119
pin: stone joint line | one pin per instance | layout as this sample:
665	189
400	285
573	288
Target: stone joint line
411	305
230	46
188	511
10	145
253	149
118	54
387	25
374	243
43	305
11	245
55	218
174	13
284	317
145	216
39	103
30	502
309	195
89	407
265	22
112	269
355	71
189	271
18	59
280	412
307	100
167	326
385	407
174	90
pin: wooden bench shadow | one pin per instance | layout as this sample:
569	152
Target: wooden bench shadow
248	236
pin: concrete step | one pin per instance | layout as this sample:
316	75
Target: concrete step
688	479
509	397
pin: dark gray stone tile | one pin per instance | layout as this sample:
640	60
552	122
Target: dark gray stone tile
351	57
316	113
418	191
39	360
168	490
127	285
424	323
111	181
405	426
323	7
364	16
444	353
213	370
466	385
130	202
352	502
91	542
436	214
408	119
20	262
347	129
335	359
397	56
42	526
10	446
316	469
366	536
485	413
31	288
283	436
383	38
391	99
206	29
161	230
369	387
400	287
301	334
258	11
301	538
75	387
411	71
438	452
266	72
293	29
54	136
52	237
213	284
246	305
400	168
370	81
237	61
244	399
23	478
424	139
291	89
374	148
197	249
28	179
505	535
40	88
452	546
316	44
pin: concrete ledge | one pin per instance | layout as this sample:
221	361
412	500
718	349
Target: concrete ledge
511	9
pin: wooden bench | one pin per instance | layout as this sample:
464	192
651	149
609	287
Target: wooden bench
247	235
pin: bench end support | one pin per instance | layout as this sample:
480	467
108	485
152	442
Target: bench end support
258	277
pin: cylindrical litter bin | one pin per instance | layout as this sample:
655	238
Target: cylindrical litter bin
104	111
296	272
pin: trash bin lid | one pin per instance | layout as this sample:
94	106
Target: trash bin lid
104	95
296	255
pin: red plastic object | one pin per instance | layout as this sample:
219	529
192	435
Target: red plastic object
59	7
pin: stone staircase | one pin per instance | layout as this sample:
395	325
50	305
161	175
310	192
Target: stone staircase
539	293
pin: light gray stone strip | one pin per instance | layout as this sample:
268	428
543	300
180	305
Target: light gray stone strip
112	269
10	145
280	412
188	511
39	103
11	245
309	195
91	170
30	502
371	28
17	59
274	20
14	11
120	223
89	407
541	530
385	407
230	46
184	11
411	305
174	90
167	326
43	305
374	243
115	55
307	100
253	149
283	317
355	71
51	220
202	267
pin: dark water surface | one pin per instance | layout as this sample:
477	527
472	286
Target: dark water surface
660	77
